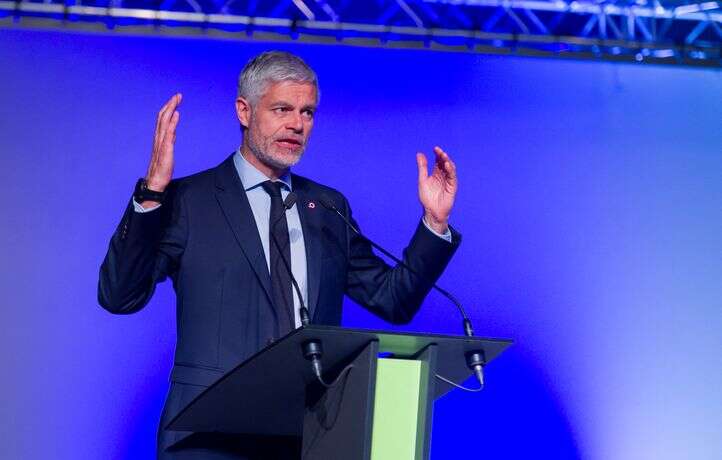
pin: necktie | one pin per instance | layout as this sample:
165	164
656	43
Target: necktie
280	276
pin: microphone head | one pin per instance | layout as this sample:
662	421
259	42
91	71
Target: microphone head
326	202
290	201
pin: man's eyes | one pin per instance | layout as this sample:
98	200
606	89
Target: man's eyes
308	113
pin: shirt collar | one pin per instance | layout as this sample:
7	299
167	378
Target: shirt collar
252	177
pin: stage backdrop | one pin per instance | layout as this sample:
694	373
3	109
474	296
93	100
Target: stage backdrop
590	204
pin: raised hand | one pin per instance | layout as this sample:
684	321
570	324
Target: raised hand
438	190
160	169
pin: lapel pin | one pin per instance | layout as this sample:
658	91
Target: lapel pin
311	205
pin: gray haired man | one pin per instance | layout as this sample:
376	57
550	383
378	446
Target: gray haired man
210	233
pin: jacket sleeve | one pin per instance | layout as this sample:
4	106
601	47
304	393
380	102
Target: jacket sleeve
144	250
395	293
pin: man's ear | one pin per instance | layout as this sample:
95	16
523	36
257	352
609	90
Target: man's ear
243	111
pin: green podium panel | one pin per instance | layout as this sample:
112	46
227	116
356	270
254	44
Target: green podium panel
403	406
396	410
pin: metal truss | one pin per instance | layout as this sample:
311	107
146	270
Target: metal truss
645	31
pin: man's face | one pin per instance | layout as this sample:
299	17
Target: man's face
280	123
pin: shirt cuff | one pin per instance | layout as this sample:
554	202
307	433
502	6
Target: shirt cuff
140	209
446	236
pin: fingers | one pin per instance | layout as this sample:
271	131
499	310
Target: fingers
422	164
160	169
441	156
164	117
165	155
444	163
169	136
172	102
173	124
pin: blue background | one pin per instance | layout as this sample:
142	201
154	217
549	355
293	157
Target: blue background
590	203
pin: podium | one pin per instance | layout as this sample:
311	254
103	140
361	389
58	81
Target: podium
379	408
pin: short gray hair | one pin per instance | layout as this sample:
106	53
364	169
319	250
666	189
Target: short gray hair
272	67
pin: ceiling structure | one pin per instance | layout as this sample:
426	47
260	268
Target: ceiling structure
672	32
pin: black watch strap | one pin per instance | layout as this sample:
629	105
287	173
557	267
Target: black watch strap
143	193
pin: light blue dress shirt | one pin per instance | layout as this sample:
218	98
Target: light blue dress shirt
260	202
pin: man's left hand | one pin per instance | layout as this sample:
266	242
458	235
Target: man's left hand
438	190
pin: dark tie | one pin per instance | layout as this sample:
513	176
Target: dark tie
280	276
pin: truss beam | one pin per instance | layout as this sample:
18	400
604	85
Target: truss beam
677	34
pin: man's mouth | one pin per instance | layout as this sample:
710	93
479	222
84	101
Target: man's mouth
289	143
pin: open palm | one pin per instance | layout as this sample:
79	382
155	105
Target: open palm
438	189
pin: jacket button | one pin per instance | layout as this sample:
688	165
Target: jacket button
269	341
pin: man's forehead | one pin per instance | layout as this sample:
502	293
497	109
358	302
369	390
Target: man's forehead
290	91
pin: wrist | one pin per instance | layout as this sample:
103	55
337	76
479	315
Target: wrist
155	185
439	225
147	195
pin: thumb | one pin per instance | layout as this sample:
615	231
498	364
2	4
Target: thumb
422	165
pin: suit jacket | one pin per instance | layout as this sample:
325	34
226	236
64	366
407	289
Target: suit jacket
204	238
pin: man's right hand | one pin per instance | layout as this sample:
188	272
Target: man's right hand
160	170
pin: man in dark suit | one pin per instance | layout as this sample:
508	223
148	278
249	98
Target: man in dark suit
213	234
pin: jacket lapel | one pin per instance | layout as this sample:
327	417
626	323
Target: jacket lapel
237	211
309	212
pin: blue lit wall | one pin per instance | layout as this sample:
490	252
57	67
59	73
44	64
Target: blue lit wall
590	202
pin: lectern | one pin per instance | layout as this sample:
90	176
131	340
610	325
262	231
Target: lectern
379	408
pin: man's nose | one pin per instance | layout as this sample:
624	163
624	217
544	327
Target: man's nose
295	122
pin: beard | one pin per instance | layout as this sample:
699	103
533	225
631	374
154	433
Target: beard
272	155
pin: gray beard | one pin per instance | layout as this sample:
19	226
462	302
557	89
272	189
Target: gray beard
268	160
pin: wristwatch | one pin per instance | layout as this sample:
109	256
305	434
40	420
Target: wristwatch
143	193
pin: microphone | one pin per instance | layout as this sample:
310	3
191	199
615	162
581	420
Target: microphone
312	350
476	359
288	204
468	330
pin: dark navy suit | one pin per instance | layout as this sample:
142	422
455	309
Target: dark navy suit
205	239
